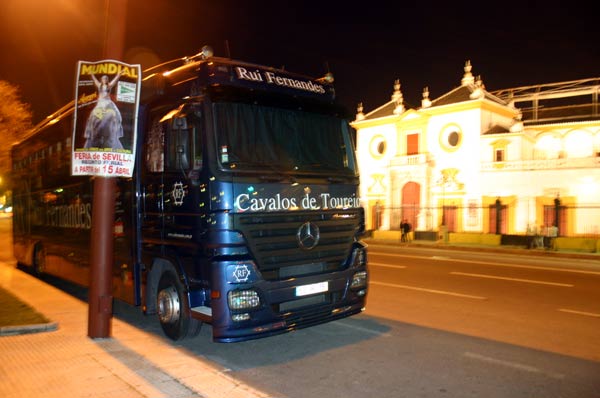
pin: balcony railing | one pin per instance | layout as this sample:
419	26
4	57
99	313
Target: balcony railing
541	164
409	160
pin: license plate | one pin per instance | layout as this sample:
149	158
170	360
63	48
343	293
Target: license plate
313	288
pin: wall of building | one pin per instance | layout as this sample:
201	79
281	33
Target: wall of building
476	159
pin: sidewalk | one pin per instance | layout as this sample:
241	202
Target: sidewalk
63	362
518	250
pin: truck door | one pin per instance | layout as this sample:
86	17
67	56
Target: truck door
172	163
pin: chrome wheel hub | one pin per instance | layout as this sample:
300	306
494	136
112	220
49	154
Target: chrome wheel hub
169	306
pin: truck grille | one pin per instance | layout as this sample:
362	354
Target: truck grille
273	241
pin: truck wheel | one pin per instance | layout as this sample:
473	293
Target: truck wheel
173	309
39	260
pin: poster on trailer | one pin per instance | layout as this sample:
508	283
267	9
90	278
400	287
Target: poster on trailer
105	121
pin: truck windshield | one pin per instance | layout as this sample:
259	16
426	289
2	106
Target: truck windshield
253	137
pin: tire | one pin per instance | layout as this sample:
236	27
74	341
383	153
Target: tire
39	260
173	308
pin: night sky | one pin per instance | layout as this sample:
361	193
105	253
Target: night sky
366	46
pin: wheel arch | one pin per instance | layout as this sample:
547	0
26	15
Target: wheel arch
158	267
24	252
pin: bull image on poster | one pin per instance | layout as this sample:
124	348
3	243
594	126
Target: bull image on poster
105	119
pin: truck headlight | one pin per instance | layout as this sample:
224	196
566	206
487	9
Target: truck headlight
241	300
359	280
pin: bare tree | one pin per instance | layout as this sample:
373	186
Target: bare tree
15	121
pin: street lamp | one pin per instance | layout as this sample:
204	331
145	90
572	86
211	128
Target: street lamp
444	201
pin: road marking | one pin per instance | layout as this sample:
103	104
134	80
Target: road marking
444	258
513	365
504	278
362	329
592	314
421	289
386	265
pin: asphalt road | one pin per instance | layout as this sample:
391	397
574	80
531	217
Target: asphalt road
438	324
551	304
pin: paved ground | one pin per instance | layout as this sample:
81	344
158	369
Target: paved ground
63	362
59	360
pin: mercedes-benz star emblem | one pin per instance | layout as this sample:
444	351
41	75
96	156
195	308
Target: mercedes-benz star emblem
308	235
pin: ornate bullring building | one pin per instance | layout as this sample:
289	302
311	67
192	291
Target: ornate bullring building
509	161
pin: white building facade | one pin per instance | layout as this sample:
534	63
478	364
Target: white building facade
504	162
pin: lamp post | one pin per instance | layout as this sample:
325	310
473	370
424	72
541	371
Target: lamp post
444	201
498	204
103	211
444	231
443	181
557	213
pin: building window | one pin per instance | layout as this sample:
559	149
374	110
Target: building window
548	146
451	138
412	144
499	150
578	144
378	146
499	155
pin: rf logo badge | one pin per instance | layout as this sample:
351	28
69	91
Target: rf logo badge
308	235
178	193
241	273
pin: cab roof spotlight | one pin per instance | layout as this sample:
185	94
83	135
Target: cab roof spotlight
328	78
206	52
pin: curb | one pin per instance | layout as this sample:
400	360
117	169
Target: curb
28	329
492	249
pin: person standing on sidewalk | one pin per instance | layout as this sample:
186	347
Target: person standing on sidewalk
404	231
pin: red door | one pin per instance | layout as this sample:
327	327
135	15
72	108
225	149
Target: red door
411	202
